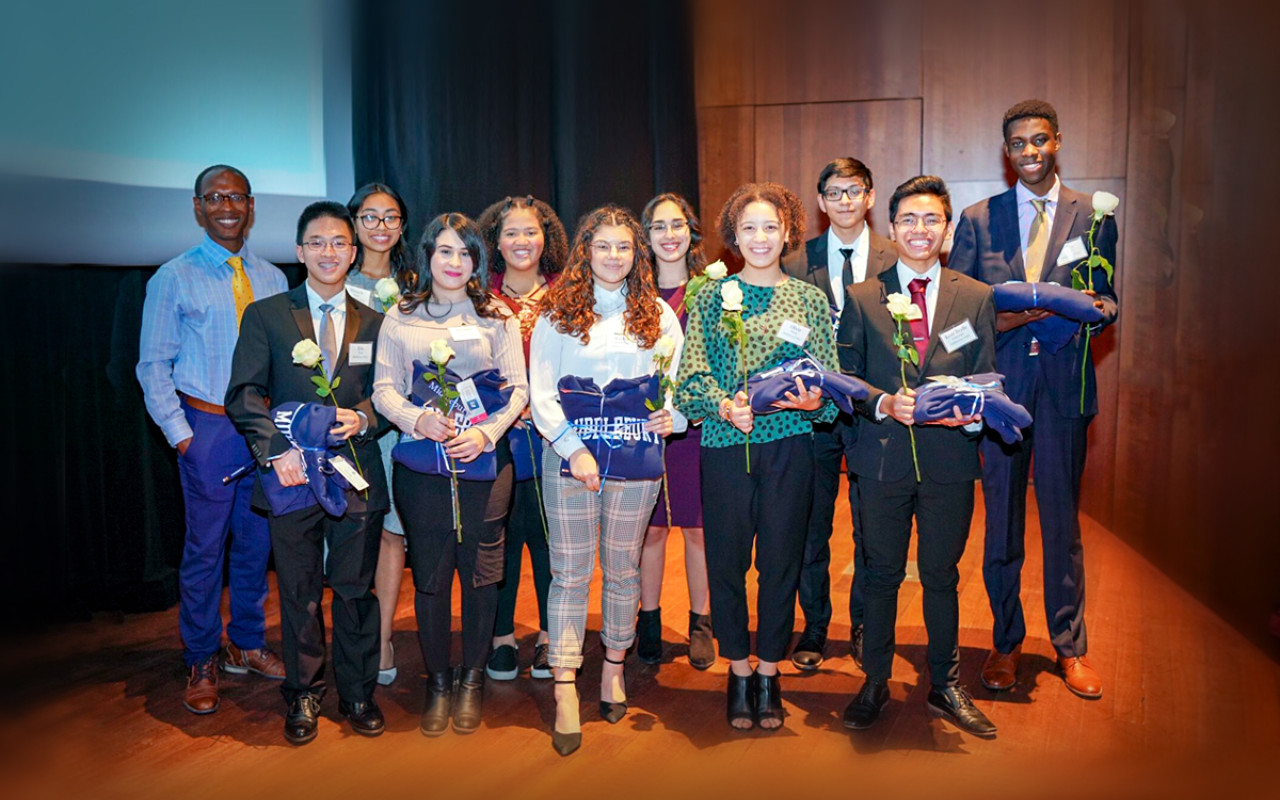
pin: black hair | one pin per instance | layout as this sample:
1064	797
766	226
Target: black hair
1039	109
555	242
401	264
218	169
321	209
845	168
920	184
477	285
696	259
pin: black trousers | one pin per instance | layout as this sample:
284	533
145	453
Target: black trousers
298	540
524	529
435	554
829	444
942	512
768	508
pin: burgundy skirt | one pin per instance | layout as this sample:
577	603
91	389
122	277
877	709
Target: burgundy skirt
682	454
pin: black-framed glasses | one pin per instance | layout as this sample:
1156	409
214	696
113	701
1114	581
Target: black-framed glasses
217	198
369	221
833	194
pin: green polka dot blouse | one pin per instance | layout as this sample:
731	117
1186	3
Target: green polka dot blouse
711	369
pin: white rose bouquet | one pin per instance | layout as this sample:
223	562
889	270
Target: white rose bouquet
441	354
308	354
1104	205
731	319
903	312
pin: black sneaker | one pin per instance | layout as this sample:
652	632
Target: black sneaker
503	665
541	666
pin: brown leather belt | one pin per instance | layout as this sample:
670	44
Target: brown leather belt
201	405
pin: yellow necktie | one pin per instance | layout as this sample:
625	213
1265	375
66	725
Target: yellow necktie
240	287
1037	242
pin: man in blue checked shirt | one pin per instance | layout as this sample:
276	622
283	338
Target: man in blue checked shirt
190	323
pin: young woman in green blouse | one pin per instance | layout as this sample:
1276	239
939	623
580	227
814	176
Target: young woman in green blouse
768	506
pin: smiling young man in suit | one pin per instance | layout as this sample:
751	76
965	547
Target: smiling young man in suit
1036	231
263	367
848	253
954	335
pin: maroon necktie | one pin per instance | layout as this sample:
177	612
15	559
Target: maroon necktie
920	327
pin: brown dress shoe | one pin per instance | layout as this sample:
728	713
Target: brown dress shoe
202	688
260	662
1001	670
1080	677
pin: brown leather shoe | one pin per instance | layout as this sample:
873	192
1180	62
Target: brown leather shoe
1001	670
260	662
1080	677
202	688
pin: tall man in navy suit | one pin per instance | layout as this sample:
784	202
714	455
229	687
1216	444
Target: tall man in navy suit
1037	231
848	253
264	373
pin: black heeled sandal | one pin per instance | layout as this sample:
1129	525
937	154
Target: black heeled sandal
613	712
741	697
565	743
768	700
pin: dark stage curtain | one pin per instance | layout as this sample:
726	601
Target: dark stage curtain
94	518
460	104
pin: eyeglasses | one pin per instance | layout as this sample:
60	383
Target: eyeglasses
676	226
216	199
605	248
339	246
931	221
370	221
834	194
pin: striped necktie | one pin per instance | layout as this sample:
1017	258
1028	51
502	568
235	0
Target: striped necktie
328	340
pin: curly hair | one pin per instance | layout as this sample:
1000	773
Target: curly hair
402	269
570	302
471	239
790	211
696	259
555	242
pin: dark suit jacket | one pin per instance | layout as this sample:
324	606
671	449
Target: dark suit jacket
810	266
987	246
865	345
263	372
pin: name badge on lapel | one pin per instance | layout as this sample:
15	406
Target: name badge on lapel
360	354
1073	252
958	336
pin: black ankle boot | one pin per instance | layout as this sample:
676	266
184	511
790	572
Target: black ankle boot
702	649
435	714
468	702
649	636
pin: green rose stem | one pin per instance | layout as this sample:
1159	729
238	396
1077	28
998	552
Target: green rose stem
536	488
742	350
906	354
325	390
661	365
1095	260
447	393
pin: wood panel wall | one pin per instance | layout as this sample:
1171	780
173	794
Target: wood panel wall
1141	88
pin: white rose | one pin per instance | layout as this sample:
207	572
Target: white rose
731	297
665	347
716	270
441	352
900	306
1104	204
307	353
387	290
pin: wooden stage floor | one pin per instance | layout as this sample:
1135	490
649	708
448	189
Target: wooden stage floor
1190	707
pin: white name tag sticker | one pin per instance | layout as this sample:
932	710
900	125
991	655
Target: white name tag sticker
619	343
349	472
465	333
472	405
958	336
360	354
793	332
363	295
1073	252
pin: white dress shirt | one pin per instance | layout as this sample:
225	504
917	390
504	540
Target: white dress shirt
835	262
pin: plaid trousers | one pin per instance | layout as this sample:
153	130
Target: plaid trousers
578	520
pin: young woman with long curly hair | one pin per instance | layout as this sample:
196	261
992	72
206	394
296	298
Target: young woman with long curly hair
602	320
765	505
527	247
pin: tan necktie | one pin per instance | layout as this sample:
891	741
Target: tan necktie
328	340
1037	242
241	289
